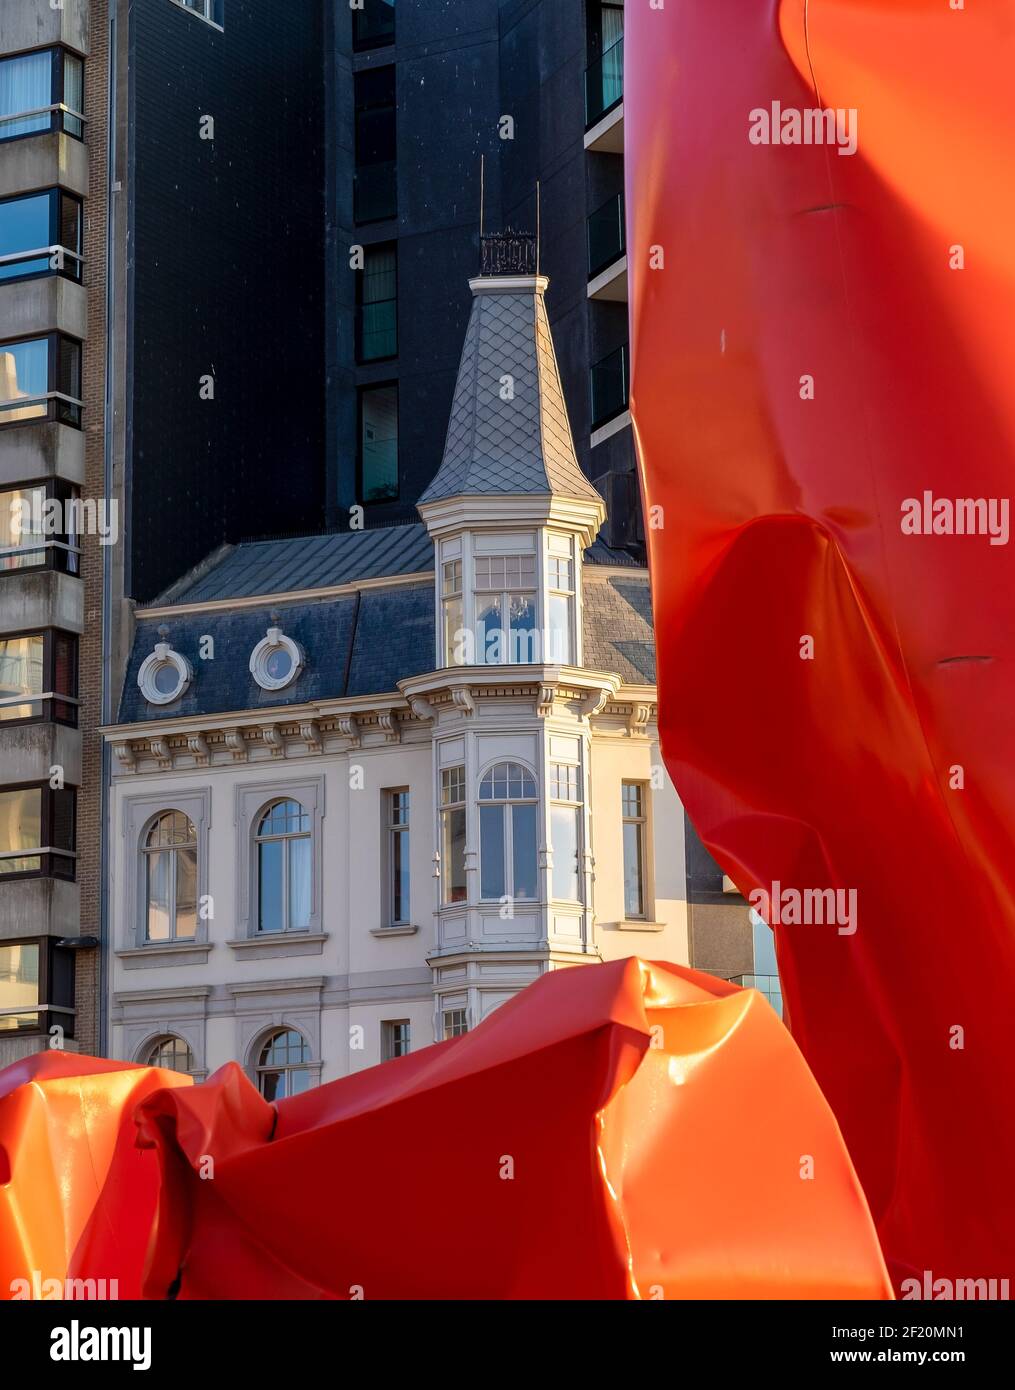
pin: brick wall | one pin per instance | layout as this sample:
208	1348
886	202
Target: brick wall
93	380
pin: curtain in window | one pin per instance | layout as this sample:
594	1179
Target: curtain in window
299	884
25	85
73	92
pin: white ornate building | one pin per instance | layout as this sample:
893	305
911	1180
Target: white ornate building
369	785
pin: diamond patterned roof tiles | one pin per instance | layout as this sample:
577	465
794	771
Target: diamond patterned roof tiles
509	430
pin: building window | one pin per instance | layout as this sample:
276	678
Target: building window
395	1038
560	583
40	234
456	1022
37	832
170	877
375	187
373	25
633	809
39	678
506	628
397	803
283	1065
36	987
171	1054
164	675
508	813
608	384
565	830
604	77
41	91
453	888
40	379
379	443
213	11
377	304
276	661
39	527
451	605
283	868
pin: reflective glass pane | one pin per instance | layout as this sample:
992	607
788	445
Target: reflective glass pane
491	851
523	834
633	892
186	893
271	889
24	375
453	855
21	674
159	869
24	226
560	630
400	876
524	638
489	630
564	832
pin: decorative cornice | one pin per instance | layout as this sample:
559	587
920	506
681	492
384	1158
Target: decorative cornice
388	721
160	752
348	726
236	744
310	733
198	745
271	736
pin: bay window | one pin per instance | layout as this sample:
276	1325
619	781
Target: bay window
36	987
41	91
560	625
39	677
40	379
40	234
506	628
565	831
38	527
453	889
37	832
508	816
451	608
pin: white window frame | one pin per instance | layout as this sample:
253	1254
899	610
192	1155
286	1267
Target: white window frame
504	593
575	805
390	1039
147	854
641	821
286	839
251	801
507	830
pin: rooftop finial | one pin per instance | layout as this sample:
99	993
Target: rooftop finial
508	253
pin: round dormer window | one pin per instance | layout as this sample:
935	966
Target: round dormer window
164	675
276	661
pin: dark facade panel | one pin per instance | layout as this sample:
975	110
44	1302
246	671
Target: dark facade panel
226	266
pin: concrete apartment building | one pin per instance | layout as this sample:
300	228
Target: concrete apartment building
279	220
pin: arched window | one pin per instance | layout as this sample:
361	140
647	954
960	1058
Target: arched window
170	878
508	815
170	1053
283	1065
283	868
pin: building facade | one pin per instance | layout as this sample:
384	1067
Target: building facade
371	784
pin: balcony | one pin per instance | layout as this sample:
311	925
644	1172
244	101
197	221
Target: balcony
608	386
607	252
375	192
604	101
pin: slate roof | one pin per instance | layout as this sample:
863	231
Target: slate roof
390	633
522	445
305	562
617	627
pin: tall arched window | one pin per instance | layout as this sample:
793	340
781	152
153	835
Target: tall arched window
283	868
508	815
171	1053
170	878
283	1065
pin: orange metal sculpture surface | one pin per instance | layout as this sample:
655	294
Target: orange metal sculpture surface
823	350
616	1131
